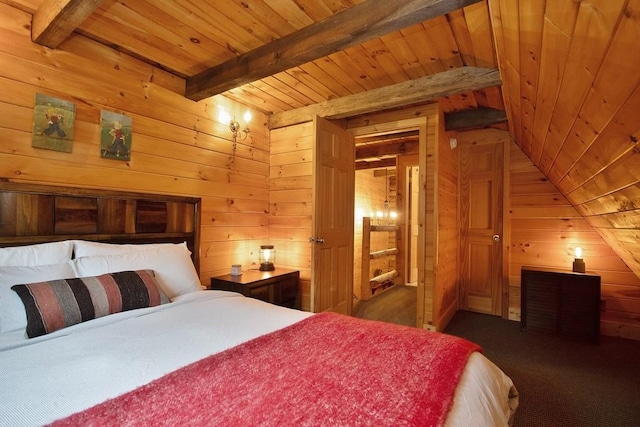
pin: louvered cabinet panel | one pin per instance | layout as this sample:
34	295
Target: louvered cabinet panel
560	302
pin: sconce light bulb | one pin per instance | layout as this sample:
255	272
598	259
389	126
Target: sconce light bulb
247	116
578	252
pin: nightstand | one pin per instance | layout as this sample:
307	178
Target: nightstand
561	302
279	286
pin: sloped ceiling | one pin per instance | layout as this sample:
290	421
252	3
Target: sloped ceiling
569	71
572	93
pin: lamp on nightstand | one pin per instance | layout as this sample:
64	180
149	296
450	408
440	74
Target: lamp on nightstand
267	258
578	262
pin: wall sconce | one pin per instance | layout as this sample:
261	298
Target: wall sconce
267	258
578	263
235	128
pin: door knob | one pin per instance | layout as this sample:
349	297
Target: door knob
496	237
316	240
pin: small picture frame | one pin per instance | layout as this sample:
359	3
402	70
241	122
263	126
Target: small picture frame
53	121
116	132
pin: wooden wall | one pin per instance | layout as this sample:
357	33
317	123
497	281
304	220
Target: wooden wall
179	147
571	78
370	197
291	191
447	260
545	229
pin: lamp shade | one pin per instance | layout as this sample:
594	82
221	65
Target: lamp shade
267	258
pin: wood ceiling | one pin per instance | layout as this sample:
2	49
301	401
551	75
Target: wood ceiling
282	55
569	72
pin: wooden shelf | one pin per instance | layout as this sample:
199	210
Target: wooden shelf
371	285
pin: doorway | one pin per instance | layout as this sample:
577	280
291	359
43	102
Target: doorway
482	194
387	202
425	123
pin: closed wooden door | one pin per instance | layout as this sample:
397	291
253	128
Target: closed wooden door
481	199
333	206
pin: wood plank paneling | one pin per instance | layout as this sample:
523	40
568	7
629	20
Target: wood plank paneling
181	39
370	195
585	129
546	228
290	210
179	147
448	236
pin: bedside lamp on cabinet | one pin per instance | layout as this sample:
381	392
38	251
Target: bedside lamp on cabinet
267	258
578	263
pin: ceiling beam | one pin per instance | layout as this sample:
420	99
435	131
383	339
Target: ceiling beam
384	163
380	139
353	26
55	20
429	88
395	148
474	118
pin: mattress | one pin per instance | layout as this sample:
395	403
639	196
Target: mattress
53	376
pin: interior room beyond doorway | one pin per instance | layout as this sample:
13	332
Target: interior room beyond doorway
386	228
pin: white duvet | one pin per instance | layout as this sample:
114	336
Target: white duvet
75	368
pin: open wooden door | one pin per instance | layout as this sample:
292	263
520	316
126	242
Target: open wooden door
333	206
481	218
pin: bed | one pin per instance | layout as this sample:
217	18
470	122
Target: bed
162	351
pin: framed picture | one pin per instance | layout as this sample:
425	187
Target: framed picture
53	120
115	135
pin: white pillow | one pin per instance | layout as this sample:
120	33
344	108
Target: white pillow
172	264
39	254
12	313
83	248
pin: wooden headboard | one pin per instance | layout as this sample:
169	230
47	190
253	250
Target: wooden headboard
32	213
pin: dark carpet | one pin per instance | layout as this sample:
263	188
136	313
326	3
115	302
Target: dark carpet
561	381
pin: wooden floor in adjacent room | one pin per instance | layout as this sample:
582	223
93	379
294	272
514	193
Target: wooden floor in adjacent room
394	305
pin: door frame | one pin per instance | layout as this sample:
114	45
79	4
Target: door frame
404	162
411	124
504	137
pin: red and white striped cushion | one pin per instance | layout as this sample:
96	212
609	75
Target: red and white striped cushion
57	304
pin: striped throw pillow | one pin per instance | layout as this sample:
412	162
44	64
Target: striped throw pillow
57	304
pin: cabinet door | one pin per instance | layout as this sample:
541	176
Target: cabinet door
580	307
263	292
540	301
289	292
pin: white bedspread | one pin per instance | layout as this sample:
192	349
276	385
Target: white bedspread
78	367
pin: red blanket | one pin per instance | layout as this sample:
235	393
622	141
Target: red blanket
328	369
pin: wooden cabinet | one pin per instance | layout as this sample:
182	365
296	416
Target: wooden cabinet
279	286
561	302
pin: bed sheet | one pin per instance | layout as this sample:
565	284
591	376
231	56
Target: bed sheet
91	362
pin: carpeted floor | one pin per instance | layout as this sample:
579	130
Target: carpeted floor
562	382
